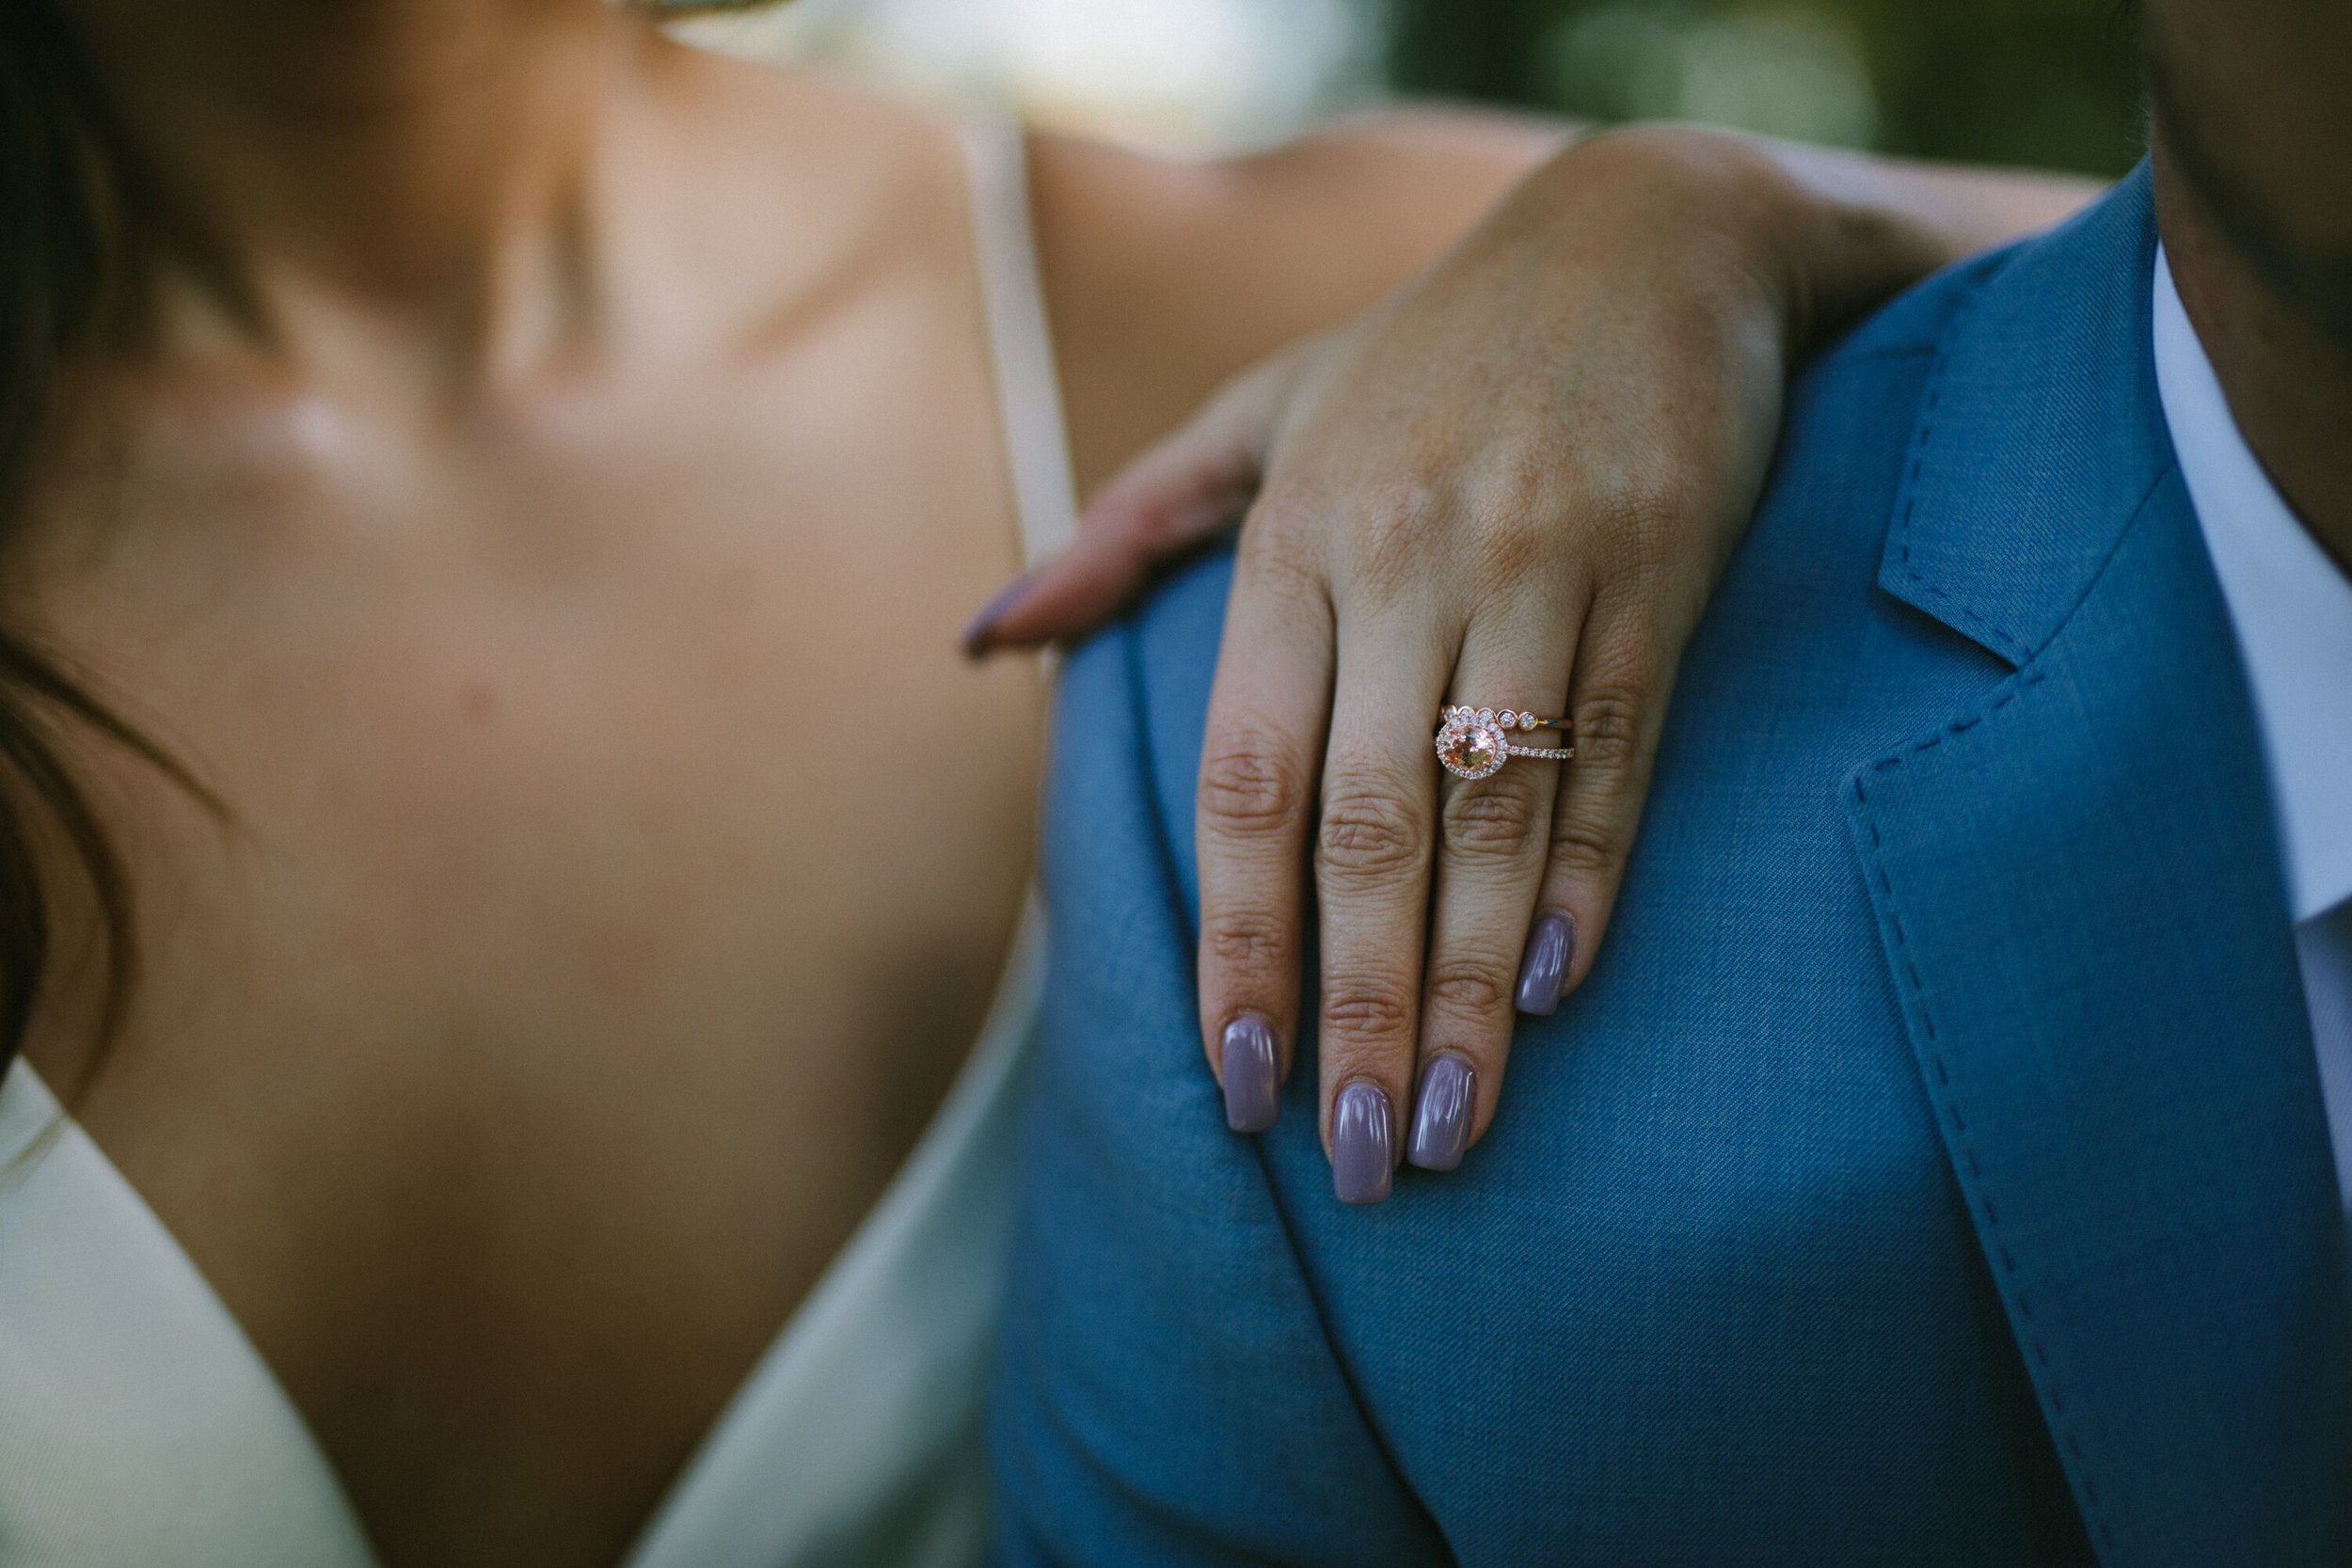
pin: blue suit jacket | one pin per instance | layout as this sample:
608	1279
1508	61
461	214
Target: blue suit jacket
1933	1169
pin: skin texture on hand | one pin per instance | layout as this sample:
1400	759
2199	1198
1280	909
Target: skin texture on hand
1510	485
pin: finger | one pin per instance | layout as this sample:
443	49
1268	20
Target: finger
1372	886
1616	702
1251	812
1066	597
1180	492
1493	835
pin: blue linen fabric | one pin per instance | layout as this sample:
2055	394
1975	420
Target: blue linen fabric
1932	1170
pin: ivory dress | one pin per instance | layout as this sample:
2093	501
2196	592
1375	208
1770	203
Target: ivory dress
139	1427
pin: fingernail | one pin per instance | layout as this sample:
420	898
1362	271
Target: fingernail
1245	1063
1544	969
1442	1116
1362	1154
975	635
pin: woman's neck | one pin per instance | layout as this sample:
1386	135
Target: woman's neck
409	163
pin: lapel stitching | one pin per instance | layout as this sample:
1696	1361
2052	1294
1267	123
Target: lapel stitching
2090	1226
1976	626
2050	1379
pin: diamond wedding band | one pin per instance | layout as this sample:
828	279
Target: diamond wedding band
1474	742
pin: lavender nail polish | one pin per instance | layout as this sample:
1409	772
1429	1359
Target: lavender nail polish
1442	1116
1244	1061
975	635
1362	1152
1544	969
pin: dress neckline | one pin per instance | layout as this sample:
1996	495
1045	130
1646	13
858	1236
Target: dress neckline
740	1496
857	1427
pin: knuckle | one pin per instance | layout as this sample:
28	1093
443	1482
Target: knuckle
1608	722
1511	549
1394	533
1363	1011
1493	817
1586	851
1249	785
1280	511
1278	546
1519	495
1407	506
1646	513
1246	943
1526	476
1370	834
1469	990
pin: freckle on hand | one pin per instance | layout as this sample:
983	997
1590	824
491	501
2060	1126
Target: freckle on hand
482	701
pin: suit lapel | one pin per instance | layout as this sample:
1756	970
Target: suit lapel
2077	890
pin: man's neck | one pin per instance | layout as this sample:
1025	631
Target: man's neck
2289	384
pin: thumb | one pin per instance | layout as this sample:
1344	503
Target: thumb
1181	491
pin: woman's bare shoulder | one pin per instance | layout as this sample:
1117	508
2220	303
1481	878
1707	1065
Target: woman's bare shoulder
808	144
1165	275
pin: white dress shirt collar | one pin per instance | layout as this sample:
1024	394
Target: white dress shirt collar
2290	604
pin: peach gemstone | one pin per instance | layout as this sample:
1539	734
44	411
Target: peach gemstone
1472	748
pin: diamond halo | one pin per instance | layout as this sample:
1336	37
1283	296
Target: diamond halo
1470	743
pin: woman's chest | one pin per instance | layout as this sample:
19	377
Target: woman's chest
595	920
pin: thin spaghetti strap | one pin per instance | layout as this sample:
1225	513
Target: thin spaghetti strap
1028	393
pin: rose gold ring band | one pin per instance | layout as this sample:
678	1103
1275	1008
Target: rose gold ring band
1474	742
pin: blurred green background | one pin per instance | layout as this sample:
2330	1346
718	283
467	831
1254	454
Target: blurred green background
2036	82
2041	82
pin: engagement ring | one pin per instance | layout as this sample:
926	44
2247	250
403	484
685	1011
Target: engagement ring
1474	742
